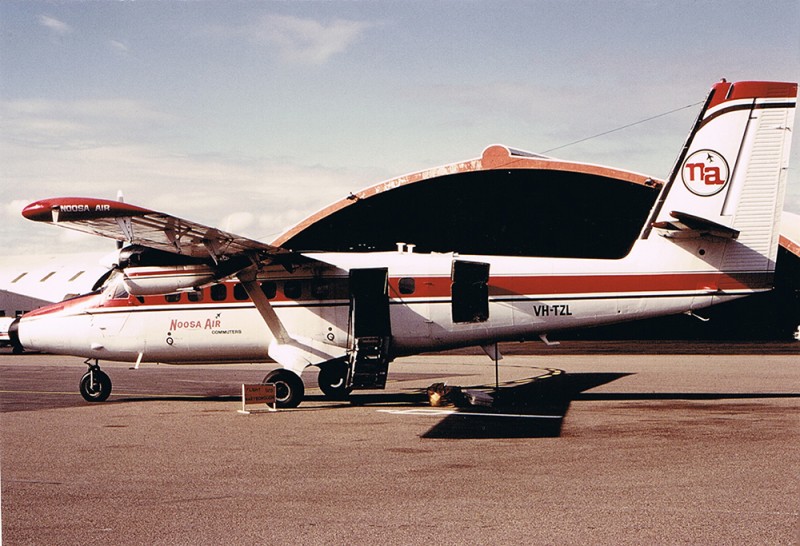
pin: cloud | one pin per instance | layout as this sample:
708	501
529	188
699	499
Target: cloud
59	27
298	40
118	46
94	148
63	124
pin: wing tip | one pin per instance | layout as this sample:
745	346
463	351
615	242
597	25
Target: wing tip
79	208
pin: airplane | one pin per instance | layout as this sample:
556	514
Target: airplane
183	292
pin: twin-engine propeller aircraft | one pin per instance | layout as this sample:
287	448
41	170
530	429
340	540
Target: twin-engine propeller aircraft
187	293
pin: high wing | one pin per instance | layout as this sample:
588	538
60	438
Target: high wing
232	254
137	225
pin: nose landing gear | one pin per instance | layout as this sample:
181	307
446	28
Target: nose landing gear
95	385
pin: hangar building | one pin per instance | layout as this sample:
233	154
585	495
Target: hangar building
510	202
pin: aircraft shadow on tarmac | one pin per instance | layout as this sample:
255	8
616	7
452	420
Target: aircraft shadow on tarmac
537	409
532	410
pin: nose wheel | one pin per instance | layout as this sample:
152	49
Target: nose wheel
95	385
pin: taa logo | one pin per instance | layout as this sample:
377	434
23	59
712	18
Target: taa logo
705	173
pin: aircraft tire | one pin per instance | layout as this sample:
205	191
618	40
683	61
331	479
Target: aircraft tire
289	389
97	392
332	380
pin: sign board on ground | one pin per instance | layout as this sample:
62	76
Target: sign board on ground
258	394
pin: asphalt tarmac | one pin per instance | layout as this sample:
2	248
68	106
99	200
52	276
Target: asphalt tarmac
581	449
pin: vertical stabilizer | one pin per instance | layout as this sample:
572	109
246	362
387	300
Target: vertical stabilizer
730	178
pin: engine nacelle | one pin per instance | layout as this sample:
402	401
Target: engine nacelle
152	280
140	256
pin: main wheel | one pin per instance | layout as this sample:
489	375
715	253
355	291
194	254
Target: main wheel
332	380
95	386
289	388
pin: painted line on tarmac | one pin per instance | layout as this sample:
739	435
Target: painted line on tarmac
125	394
38	392
439	413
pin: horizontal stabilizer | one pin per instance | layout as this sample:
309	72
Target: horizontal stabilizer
688	226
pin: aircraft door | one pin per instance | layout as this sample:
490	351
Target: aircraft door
370	327
470	291
369	303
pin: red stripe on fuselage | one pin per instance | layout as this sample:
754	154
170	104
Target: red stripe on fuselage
79	303
431	287
439	287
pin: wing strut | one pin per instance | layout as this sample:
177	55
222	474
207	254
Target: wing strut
247	277
287	351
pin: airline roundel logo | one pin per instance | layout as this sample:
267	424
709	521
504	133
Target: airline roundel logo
705	173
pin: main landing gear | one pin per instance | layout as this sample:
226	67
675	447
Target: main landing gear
95	385
289	388
332	379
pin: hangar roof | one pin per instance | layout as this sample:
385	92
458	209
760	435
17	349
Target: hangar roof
507	202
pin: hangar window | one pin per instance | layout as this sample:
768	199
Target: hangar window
239	293
47	276
270	289
292	289
19	277
219	292
173	298
407	285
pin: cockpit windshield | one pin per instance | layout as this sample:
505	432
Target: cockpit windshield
113	286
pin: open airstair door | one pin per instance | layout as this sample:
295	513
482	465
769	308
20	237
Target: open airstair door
470	291
371	329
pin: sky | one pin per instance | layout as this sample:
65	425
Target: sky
250	116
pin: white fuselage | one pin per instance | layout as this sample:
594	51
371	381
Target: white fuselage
527	297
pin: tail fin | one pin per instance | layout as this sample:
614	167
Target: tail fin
730	178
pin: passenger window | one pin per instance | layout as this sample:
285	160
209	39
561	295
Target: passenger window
407	285
320	289
292	289
195	296
219	292
173	298
239	293
270	289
